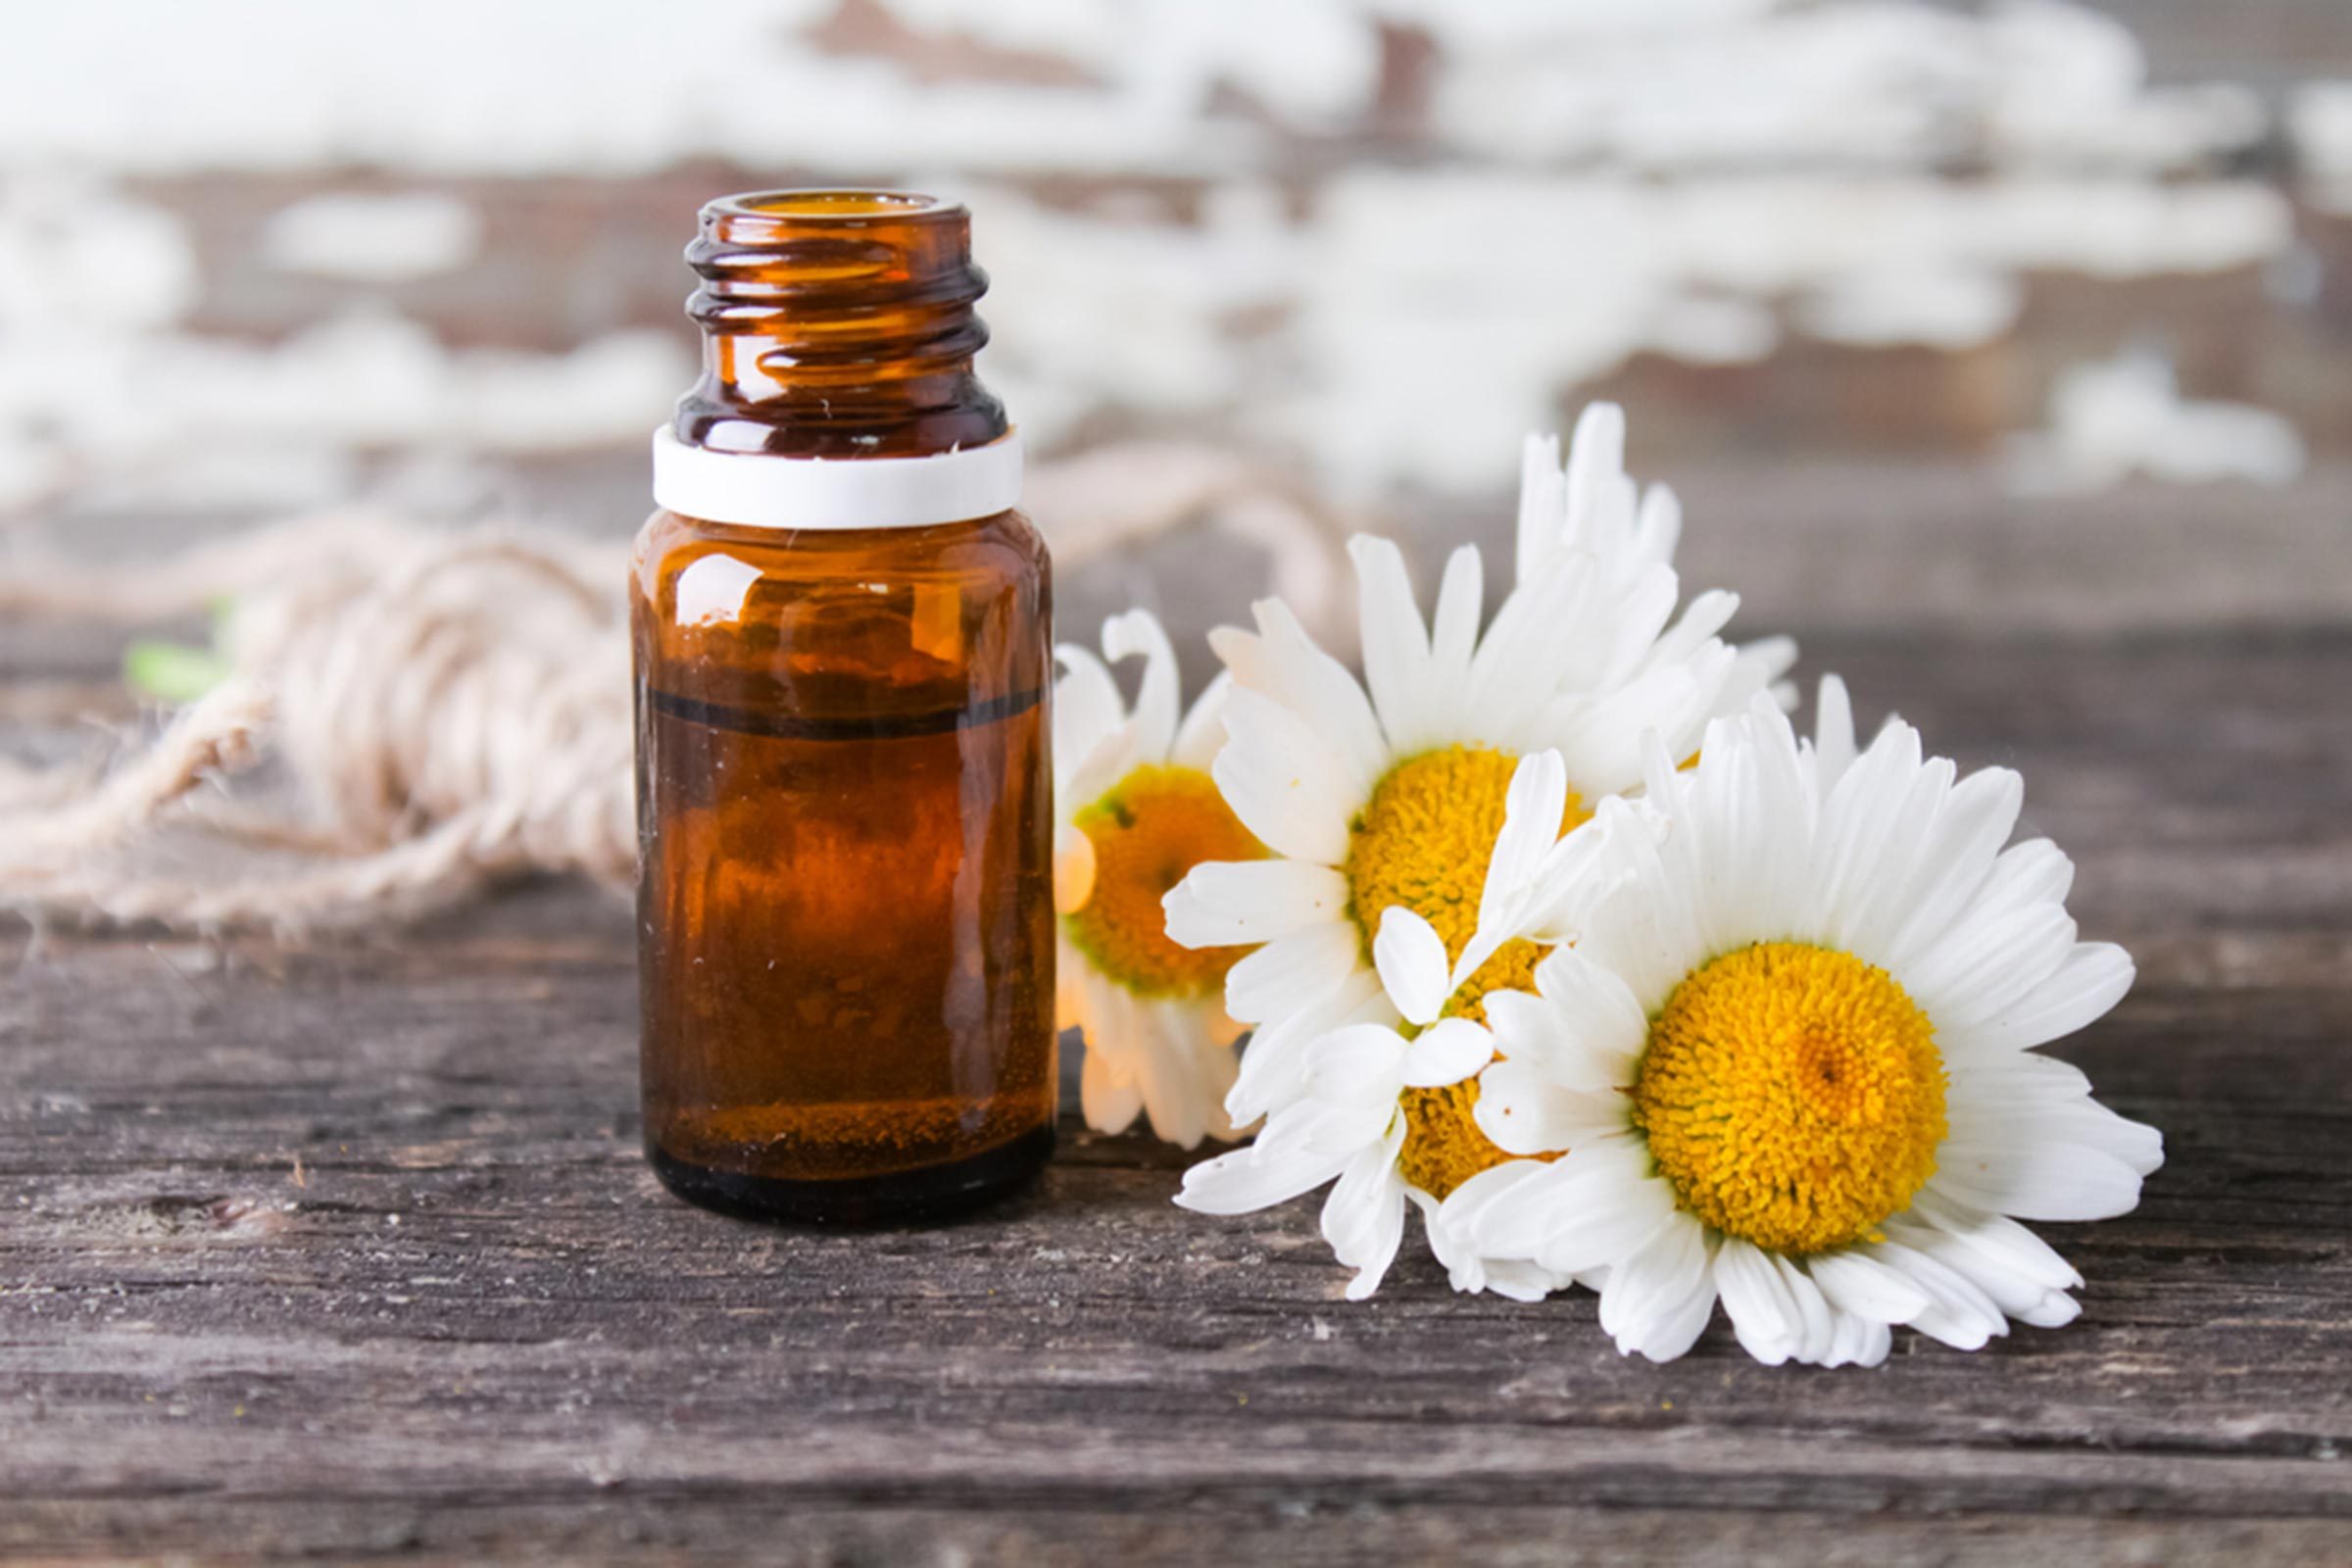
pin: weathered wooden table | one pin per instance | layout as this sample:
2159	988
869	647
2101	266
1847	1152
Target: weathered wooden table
350	1253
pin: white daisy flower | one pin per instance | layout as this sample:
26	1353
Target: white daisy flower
1389	792
1385	1100
1136	810
1790	1060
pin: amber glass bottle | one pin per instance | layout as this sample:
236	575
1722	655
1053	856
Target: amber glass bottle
843	644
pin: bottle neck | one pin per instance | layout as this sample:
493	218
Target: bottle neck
837	324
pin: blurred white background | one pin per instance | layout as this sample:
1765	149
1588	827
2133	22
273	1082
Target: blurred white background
1886	286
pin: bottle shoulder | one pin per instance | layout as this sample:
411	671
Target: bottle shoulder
1005	546
752	607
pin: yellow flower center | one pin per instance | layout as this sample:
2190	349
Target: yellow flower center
1424	838
1511	969
1443	1145
1147	830
1423	841
1793	1097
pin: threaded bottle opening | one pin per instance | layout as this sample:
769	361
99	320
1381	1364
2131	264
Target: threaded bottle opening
837	322
765	206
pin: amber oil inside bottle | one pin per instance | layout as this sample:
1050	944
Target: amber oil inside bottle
843	785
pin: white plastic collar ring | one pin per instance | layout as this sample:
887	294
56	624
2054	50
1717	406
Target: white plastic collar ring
757	491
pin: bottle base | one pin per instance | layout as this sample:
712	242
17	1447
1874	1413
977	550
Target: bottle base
910	1197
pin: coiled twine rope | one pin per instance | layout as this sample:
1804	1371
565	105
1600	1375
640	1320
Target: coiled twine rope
408	716
443	711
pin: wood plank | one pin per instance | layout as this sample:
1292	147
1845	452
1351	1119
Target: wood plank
467	1323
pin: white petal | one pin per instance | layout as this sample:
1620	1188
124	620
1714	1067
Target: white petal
1073	869
1273	1066
1764	1315
1243	654
1602	1211
1646	1306
1867	921
1447	1053
1071	973
1523	1111
1519	663
1597	487
1957	860
1543	503
1410	957
1861	1341
1866	821
2037	1181
1536	801
1986	1085
2003	1243
1990	966
1645	933
1091	774
1363	1219
1762	666
1574	877
1317	687
1600	735
1748	829
1706	616
1085	707
2016	1292
1225	904
1180	1101
1818	1344
1505	1215
1633	637
1832	733
1106	1009
2035	871
1669	1334
1396	645
1203	732
2055	1310
1291	972
1586	1031
1354	1062
2092	980
1453	627
1346	1130
1958	1314
1983	1124
1461	1216
1109	1101
1508	1277
1219	1073
1254	1178
1861	1285
1283	782
1138	632
1532	805
1658	530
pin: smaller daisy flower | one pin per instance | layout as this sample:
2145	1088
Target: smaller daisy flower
1384	1112
1790	1062
1136	810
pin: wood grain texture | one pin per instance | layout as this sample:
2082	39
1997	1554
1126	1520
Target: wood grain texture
350	1253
